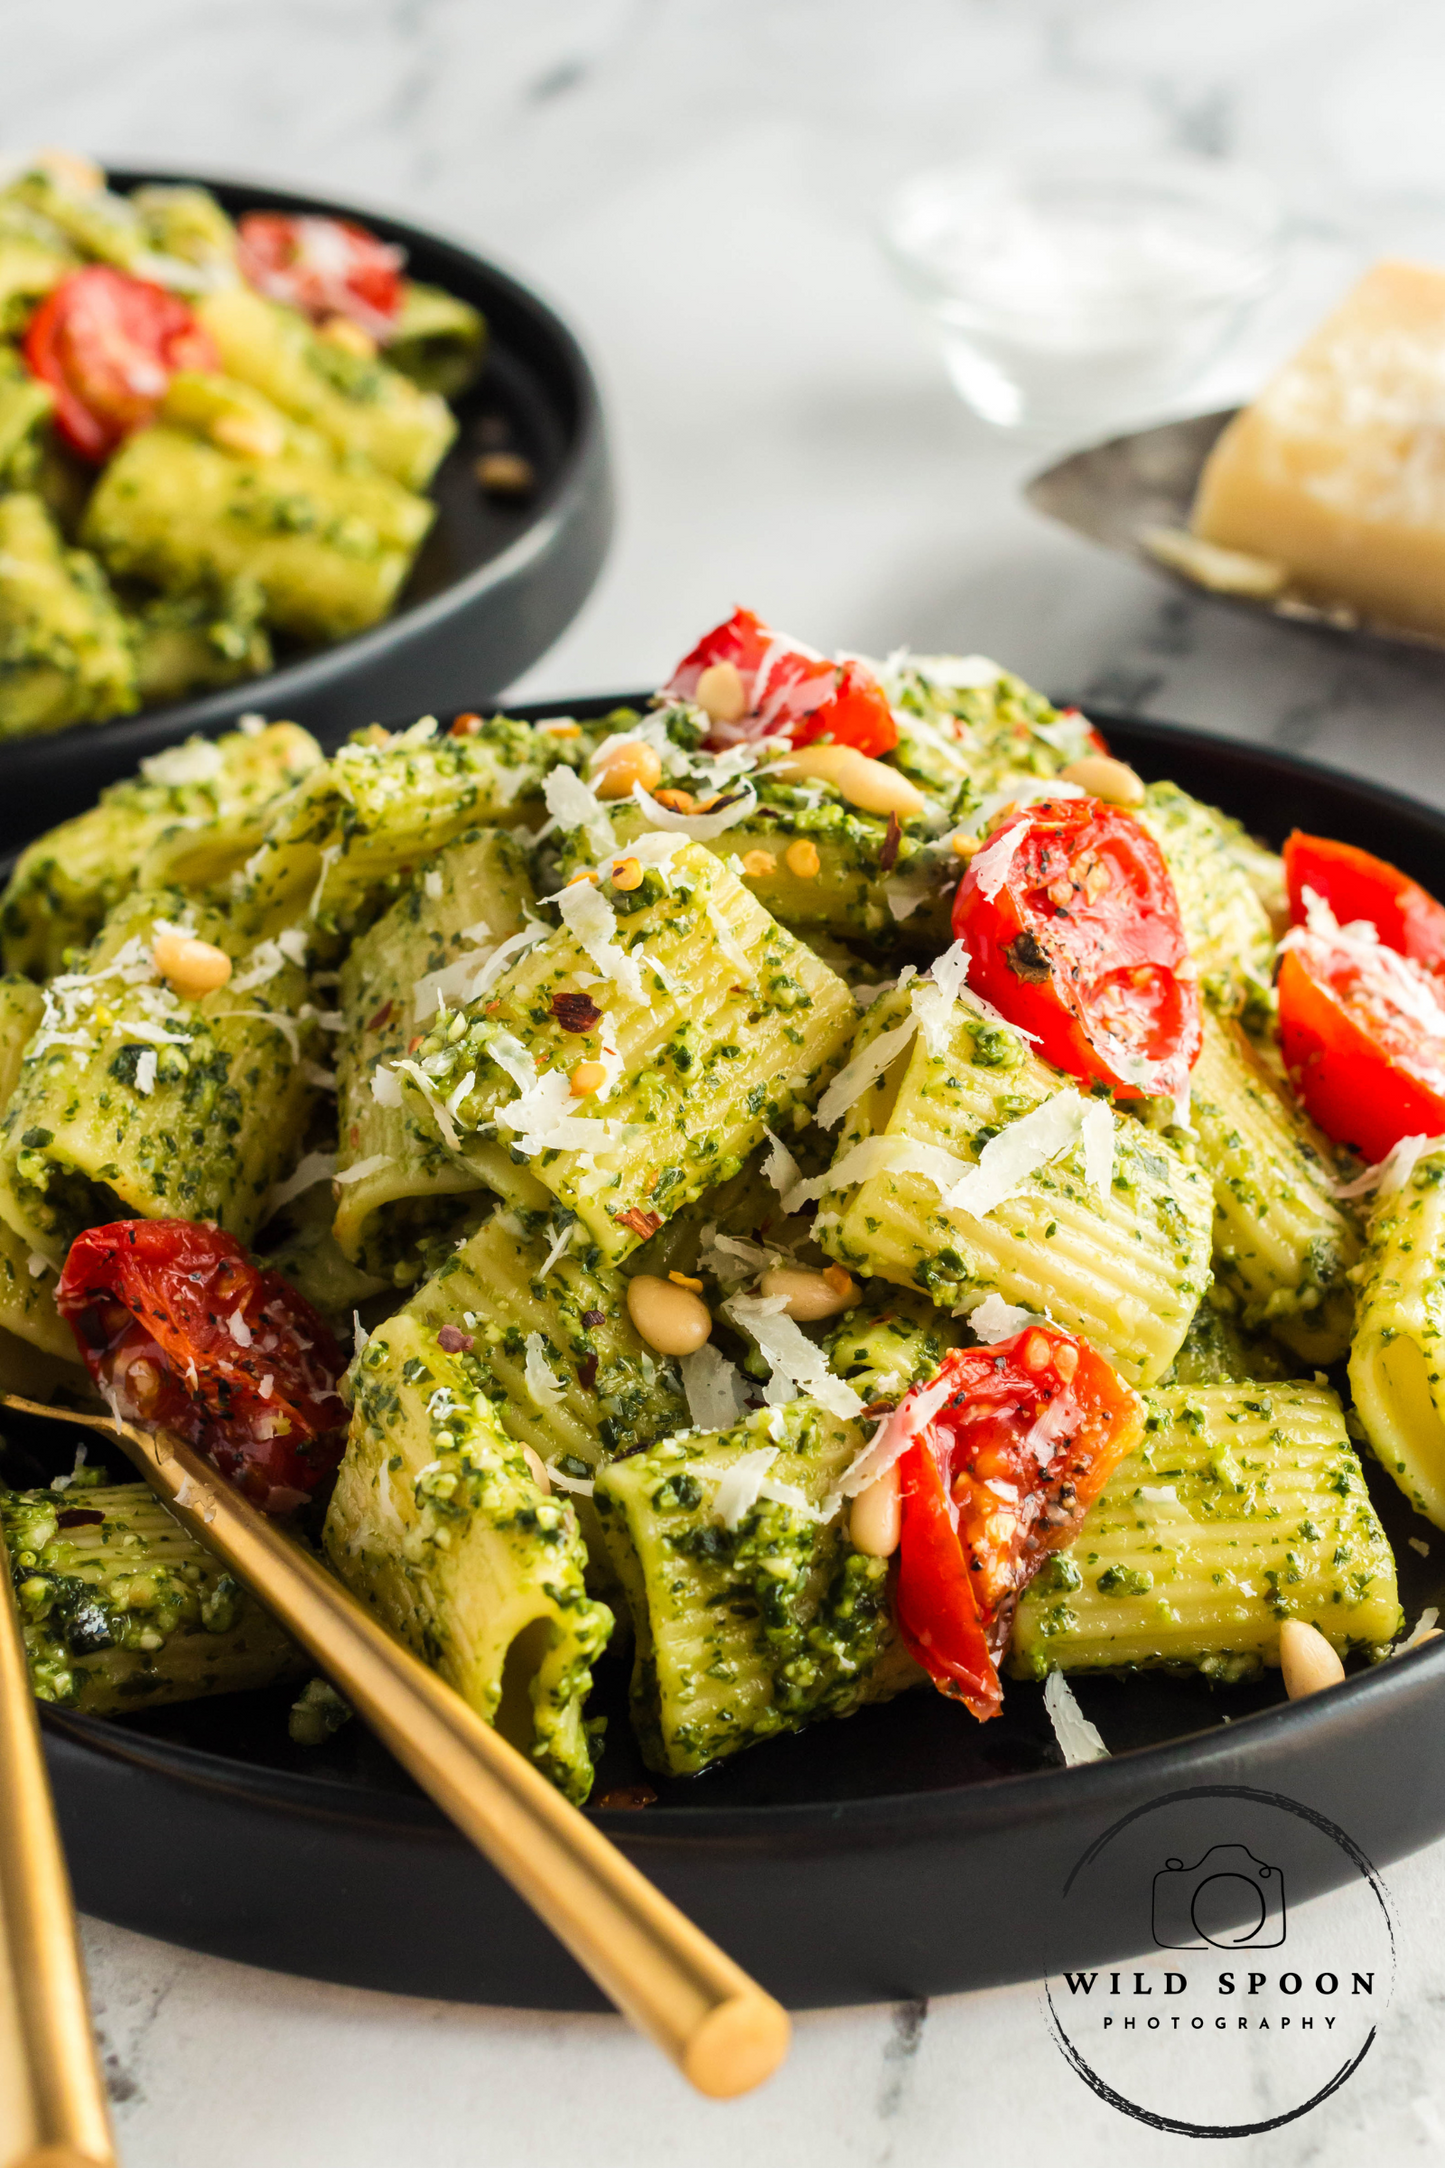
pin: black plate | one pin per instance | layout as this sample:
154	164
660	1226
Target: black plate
908	1851
495	583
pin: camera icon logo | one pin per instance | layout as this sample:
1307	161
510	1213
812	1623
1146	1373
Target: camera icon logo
1228	1900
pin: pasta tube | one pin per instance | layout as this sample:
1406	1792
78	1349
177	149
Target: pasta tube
430	947
134	1102
1245	1506
64	655
28	1316
439	341
1225	923
816	864
349	840
438	1522
359	405
122	1610
709	1024
753	1615
1397	1363
1282	1244
192	815
1124	1267
329	549
554	1346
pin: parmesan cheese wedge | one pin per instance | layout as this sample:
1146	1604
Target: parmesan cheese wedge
1337	471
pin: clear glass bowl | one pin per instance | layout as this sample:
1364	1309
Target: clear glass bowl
1074	290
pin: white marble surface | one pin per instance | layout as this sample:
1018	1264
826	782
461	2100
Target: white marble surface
694	184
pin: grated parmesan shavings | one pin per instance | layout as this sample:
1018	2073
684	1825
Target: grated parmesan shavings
714	1388
796	1363
1079	1740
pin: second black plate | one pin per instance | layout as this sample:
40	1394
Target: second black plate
494	586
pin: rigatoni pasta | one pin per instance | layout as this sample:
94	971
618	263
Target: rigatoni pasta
397	1180
717	1023
842	1248
1244	1506
132	1100
1123	1262
1397	1362
439	1523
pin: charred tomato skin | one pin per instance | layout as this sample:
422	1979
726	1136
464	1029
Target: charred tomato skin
182	1332
994	1482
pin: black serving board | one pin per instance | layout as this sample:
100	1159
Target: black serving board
908	1851
496	581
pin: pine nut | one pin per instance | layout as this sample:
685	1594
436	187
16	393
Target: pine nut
758	863
190	967
1306	1659
802	858
1101	776
506	474
876	1521
634	762
586	1078
344	332
539	1471
870	785
966	847
81	175
721	693
671	1319
564	729
810	1294
254	436
627	874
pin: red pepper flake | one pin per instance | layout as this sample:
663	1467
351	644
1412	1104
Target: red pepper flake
594	1317
587	1372
576	1012
455	1341
413	1044
642	1223
79	1517
888	857
382	1017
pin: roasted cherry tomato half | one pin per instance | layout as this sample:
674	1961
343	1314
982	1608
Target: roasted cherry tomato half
1071	920
323	266
1358	886
181	1332
107	345
993	1480
790	691
1362	1029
